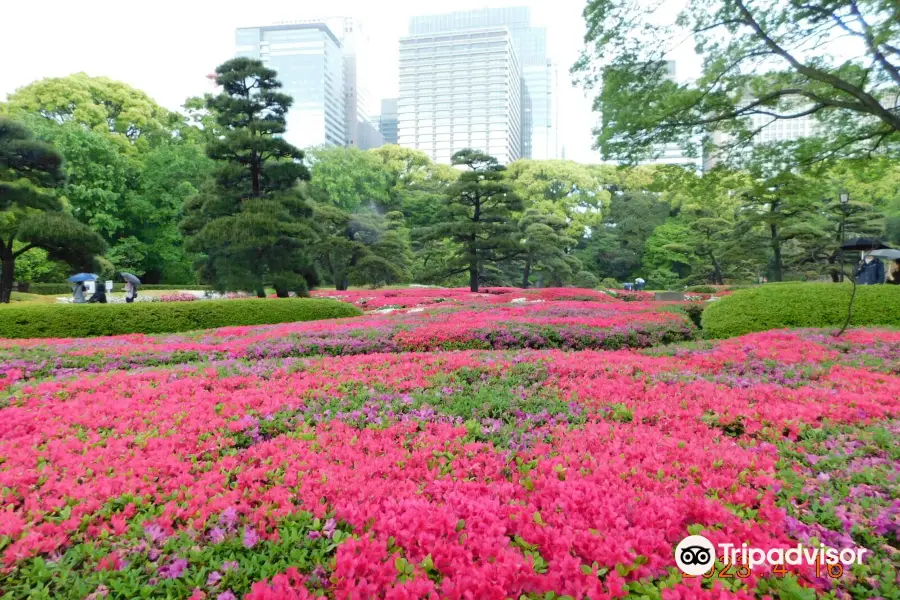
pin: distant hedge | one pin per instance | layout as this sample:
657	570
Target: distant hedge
800	305
87	320
56	289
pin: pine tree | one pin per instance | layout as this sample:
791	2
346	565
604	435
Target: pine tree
251	226
477	217
30	216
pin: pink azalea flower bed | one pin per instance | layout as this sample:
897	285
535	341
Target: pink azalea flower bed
483	472
417	297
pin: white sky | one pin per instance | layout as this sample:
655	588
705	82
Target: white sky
167	47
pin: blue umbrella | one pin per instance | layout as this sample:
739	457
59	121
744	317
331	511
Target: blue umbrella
80	277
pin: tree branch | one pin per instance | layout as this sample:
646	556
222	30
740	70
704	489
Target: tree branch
867	103
22	251
873	47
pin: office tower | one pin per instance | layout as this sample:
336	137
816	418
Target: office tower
539	125
358	77
387	122
309	63
460	89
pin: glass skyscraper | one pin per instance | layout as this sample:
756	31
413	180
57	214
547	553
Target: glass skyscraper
460	89
539	124
387	122
310	66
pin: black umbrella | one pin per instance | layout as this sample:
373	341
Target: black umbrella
864	244
132	279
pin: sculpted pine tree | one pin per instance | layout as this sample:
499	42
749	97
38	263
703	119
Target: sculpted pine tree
477	217
251	225
31	217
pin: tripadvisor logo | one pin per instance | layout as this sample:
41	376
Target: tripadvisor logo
695	555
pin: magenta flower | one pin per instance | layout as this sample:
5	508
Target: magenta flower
250	537
217	535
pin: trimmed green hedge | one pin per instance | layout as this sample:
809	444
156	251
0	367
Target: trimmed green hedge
86	320
63	289
800	305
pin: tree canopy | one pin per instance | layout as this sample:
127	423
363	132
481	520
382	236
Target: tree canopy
30	216
250	224
837	61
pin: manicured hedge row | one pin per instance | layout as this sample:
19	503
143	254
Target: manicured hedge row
86	320
57	289
800	305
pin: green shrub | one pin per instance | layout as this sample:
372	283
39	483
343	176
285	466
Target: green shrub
85	320
610	283
701	289
585	280
800	305
63	289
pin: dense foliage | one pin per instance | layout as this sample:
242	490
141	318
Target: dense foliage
68	320
31	217
212	197
801	305
834	61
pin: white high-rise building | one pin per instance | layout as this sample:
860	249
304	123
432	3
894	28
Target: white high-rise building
359	71
460	89
539	121
310	67
346	55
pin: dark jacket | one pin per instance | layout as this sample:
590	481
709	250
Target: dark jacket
98	296
871	273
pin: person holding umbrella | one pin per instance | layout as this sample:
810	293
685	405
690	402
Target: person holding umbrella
890	253
870	271
132	283
77	282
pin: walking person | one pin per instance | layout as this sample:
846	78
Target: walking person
894	274
870	271
99	296
130	292
78	292
131	286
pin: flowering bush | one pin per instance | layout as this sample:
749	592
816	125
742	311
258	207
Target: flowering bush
179	297
240	465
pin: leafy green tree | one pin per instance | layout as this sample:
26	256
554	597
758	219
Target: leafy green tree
349	178
576	191
362	248
251	225
616	248
765	59
104	105
780	209
30	217
545	247
169	174
477	217
669	249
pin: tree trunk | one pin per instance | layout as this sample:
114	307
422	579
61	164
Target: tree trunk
527	274
254	173
341	284
281	291
717	270
6	277
778	272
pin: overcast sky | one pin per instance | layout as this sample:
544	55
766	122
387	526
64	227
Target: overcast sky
167	47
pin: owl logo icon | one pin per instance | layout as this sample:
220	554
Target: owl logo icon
695	555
